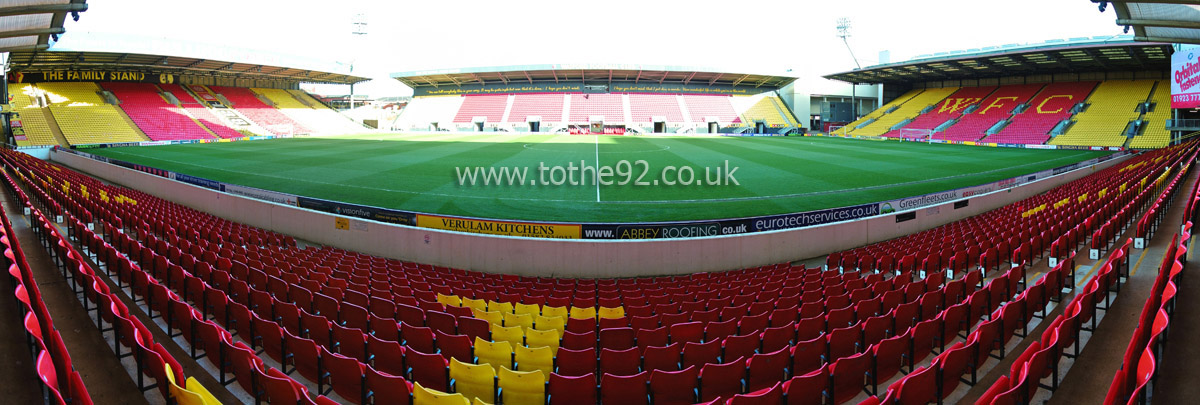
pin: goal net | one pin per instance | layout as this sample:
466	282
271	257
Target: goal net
915	134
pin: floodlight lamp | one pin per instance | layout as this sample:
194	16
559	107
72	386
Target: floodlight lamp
1103	6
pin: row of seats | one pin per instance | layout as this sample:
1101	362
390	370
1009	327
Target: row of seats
247	103
59	380
579	108
158	119
310	113
1156	135
1132	382
909	109
140	205
200	112
1040	359
952	107
826	320
31	119
1046	110
1111	107
152	359
824	342
84	117
996	107
1018	231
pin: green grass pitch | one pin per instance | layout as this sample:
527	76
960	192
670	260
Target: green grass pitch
416	172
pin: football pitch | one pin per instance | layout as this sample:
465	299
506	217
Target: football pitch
647	177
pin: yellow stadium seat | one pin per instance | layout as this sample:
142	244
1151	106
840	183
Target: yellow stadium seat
493	317
522	387
426	396
511	334
495	353
449	300
555	311
535	359
478	401
474	304
194	394
532	309
543	338
583	313
500	306
556	323
611	313
86	118
525	321
473	380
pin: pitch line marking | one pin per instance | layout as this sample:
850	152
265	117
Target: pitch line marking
660	149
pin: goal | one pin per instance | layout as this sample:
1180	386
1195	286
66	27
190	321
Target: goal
916	135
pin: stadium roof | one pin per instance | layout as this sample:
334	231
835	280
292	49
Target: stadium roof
1076	55
32	24
31	61
1159	20
598	73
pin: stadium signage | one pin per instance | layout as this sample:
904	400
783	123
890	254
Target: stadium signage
358	211
1185	76
90	76
529	230
812	218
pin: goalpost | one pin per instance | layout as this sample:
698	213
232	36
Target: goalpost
916	135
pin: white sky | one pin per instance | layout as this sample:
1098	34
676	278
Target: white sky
738	36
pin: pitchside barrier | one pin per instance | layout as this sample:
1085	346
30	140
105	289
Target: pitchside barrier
606	249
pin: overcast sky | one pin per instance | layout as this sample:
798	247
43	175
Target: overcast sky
738	36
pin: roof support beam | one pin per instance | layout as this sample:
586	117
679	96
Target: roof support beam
26	48
714	80
740	79
42	9
1159	23
689	78
32	32
528	77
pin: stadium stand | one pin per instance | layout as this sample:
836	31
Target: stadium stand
950	108
996	107
1156	135
337	307
879	112
644	107
1110	108
84	117
491	106
767	108
63	384
711	106
158	119
584	106
308	112
200	112
423	111
248	104
326	119
549	106
908	109
37	131
1051	106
